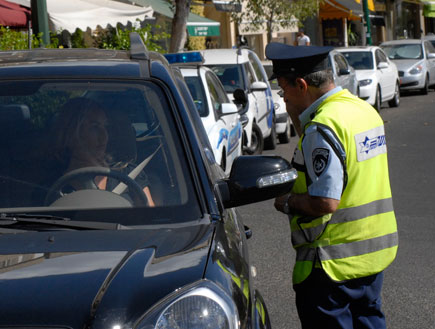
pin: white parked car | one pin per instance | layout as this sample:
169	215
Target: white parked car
218	114
415	60
343	72
240	71
284	125
377	75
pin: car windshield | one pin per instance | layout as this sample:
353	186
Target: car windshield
273	83
198	94
404	51
70	148
230	75
360	60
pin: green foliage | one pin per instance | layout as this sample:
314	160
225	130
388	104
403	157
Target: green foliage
274	14
17	40
119	38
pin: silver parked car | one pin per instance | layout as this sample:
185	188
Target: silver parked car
415	60
344	73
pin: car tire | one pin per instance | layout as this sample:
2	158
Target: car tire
396	98
425	89
284	138
378	102
271	141
257	141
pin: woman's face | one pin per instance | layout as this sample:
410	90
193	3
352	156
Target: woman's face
93	135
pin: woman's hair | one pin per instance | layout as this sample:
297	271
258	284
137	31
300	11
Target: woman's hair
67	125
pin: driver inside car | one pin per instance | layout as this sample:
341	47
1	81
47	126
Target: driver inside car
83	139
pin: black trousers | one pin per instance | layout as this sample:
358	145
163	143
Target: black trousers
354	304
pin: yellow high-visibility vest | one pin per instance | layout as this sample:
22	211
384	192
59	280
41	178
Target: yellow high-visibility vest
360	238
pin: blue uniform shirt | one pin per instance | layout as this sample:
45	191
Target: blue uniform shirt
324	168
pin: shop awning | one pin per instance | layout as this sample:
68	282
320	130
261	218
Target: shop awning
70	15
338	9
13	15
196	25
429	9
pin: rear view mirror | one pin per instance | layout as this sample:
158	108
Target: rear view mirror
383	65
258	86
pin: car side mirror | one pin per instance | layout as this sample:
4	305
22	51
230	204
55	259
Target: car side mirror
344	72
383	65
255	178
258	86
228	108
240	96
431	55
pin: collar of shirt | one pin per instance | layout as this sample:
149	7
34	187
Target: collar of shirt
307	115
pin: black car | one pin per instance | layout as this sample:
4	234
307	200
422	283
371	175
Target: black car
114	213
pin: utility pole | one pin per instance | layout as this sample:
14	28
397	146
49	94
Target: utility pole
40	19
367	22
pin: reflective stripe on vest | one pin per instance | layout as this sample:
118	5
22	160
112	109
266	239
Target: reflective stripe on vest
344	215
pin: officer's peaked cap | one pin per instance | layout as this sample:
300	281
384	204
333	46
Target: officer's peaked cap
296	60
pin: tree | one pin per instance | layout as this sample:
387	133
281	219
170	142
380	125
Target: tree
179	24
273	14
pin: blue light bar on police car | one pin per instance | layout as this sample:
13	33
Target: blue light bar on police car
192	57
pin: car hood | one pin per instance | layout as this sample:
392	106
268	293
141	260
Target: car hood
76	278
365	74
406	64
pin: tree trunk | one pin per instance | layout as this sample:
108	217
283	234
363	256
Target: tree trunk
179	23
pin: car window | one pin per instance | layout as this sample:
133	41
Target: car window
58	127
359	60
250	75
198	94
404	51
216	97
340	63
380	56
273	83
257	68
429	48
230	75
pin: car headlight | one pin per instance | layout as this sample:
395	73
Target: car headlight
416	70
365	82
205	306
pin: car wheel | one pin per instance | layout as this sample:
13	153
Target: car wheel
378	101
396	99
284	138
257	141
270	142
425	89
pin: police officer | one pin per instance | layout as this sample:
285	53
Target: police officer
342	221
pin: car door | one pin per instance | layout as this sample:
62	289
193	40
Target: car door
428	49
264	97
386	78
227	127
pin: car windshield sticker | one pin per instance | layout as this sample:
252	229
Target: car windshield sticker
370	143
320	160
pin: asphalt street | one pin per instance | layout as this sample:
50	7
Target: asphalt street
409	285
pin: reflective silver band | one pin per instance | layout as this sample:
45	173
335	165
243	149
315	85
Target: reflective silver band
343	216
344	250
366	210
359	247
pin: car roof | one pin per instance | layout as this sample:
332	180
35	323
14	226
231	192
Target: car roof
356	48
80	62
225	56
401	42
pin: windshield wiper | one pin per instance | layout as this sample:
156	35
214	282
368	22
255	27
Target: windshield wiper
28	220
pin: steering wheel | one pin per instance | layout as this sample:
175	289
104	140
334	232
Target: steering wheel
87	175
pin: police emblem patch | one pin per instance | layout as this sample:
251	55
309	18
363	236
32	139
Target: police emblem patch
320	160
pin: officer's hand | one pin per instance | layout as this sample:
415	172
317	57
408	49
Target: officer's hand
280	203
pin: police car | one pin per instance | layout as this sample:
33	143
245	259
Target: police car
218	114
245	80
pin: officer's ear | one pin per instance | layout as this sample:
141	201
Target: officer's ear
302	85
